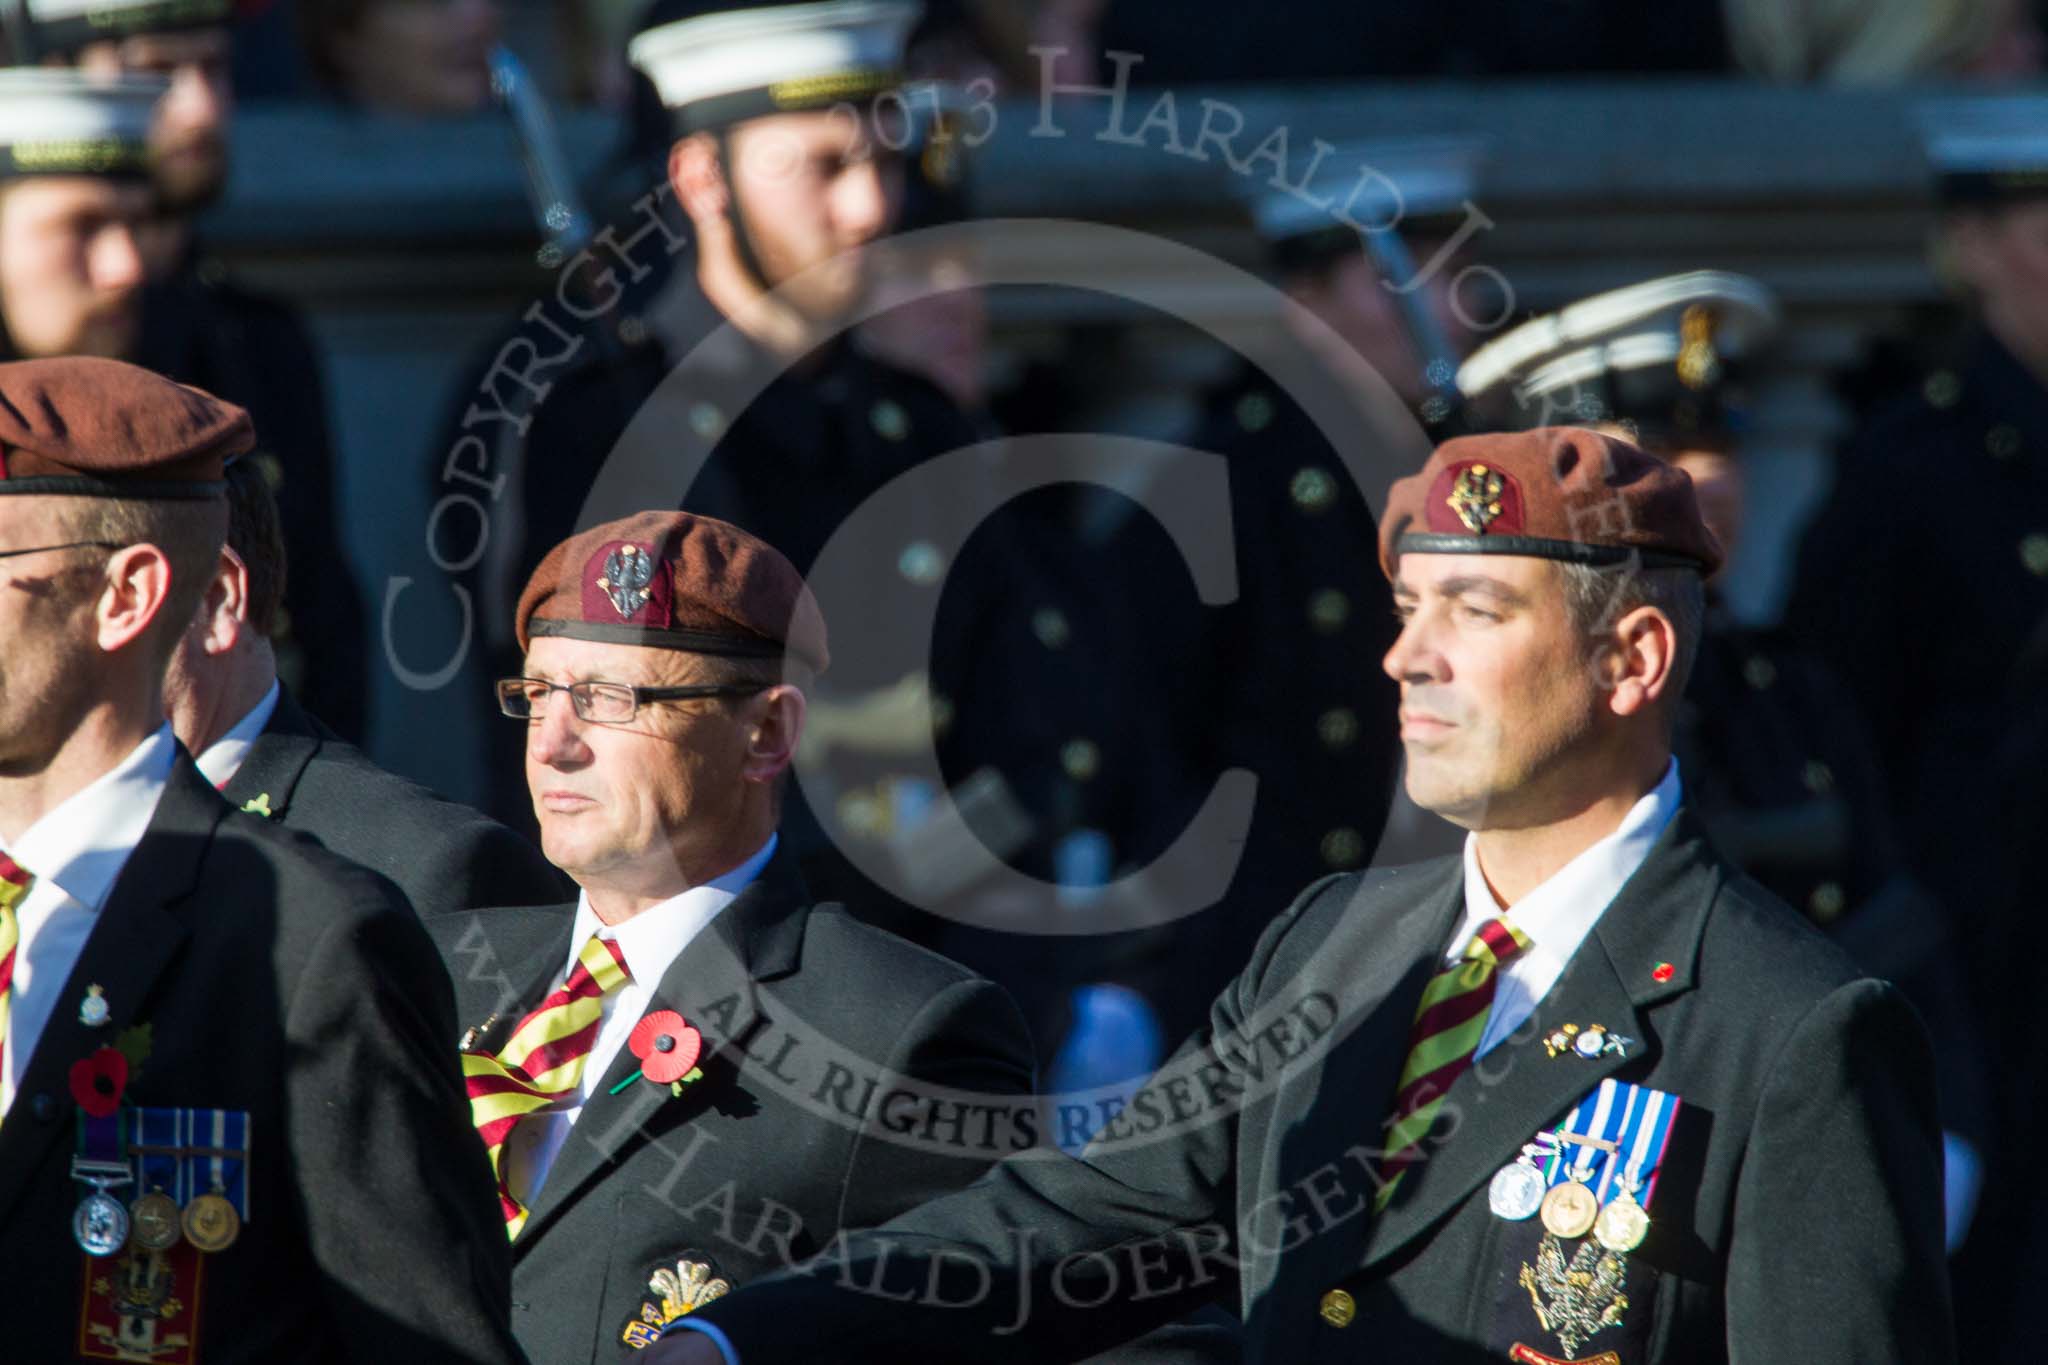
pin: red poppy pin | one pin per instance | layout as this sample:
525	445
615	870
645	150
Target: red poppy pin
98	1079
668	1050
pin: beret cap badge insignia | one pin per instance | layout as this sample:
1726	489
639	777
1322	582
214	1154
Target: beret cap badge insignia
627	579
1475	497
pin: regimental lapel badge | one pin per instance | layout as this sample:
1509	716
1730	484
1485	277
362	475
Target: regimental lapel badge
93	1011
627	579
1574	1301
681	1291
259	804
1475	497
1590	1043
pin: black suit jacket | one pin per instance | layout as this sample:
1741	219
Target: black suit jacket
276	979
1808	1123
811	1021
444	856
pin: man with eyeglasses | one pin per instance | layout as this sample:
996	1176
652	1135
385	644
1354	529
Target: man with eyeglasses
253	740
693	1076
229	1128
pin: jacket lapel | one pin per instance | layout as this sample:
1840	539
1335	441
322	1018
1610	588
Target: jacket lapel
1518	1088
502	963
713	985
271	770
1381	962
140	927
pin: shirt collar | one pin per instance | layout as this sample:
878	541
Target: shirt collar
82	844
224	757
653	939
1559	914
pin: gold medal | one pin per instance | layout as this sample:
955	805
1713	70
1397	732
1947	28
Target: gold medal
155	1221
211	1223
1569	1210
1623	1224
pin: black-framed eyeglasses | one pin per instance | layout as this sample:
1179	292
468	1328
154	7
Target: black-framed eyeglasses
67	545
604	703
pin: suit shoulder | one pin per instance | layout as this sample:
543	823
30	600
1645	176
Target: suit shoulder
1780	959
834	935
1365	892
296	859
341	771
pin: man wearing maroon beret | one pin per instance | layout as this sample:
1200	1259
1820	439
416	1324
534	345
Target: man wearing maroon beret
228	1127
692	1075
1584	1094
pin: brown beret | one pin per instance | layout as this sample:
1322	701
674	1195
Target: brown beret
670	580
1552	493
81	425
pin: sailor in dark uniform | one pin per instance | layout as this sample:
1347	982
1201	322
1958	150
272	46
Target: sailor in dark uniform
200	326
1780	763
1298	694
1926	605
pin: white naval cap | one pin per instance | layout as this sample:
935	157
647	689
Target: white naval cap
55	121
1987	151
1654	353
717	68
46	27
1377	183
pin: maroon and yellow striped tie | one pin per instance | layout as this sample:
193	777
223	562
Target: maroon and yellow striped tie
541	1064
1449	1022
15	881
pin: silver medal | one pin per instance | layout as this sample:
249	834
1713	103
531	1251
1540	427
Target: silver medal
1516	1192
100	1225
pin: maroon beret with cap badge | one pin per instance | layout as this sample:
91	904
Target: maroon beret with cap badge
1562	493
672	580
105	428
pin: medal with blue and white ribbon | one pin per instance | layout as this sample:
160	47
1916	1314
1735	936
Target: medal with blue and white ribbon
1596	1171
1618	1136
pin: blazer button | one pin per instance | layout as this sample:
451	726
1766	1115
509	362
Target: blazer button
44	1108
1338	1308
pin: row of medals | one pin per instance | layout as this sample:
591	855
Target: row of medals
1569	1210
102	1226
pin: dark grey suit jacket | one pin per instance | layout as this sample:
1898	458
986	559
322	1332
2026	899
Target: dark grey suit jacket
444	856
1798	1216
802	1125
277	979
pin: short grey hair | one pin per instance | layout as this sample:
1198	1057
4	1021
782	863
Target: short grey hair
1595	598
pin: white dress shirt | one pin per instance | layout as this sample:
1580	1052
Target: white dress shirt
76	851
650	942
1558	915
223	758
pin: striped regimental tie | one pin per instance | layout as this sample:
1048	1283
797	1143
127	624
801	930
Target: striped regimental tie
15	880
541	1064
1448	1026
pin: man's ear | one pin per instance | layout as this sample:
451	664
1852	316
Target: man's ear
224	611
776	728
697	176
1641	658
138	580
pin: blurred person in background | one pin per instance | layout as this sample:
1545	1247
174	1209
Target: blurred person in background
1779	761
1861	42
415	58
254	742
75	206
199	326
1969	572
